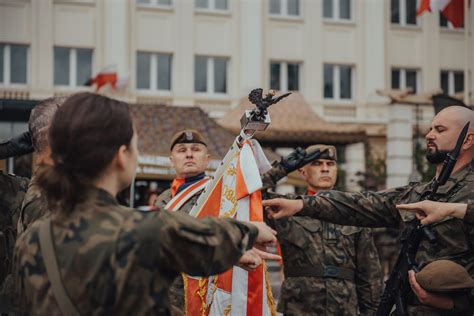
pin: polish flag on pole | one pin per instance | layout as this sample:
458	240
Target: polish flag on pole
453	10
233	193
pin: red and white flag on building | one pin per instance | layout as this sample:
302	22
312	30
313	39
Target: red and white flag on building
233	193
453	10
108	76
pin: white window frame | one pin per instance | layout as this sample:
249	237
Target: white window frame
284	11
403	81
7	65
154	74
212	7
403	15
335	12
73	67
210	77
451	80
336	73
284	74
155	4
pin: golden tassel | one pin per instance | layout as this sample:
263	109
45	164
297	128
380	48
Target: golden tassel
270	299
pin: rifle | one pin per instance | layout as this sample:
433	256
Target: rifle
398	286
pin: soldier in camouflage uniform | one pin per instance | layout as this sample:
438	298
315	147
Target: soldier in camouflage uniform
378	209
329	269
34	206
12	191
111	259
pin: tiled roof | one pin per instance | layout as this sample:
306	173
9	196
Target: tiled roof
294	122
156	125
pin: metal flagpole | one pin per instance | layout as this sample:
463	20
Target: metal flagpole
467	27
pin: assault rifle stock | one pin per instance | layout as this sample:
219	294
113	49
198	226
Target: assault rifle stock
397	286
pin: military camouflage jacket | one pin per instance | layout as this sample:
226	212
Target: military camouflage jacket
12	192
455	237
306	242
176	293
117	261
33	207
469	217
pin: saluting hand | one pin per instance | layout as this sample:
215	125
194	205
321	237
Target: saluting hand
279	208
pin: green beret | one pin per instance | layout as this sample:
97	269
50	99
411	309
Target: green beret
188	136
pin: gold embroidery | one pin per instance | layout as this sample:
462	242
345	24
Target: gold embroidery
227	310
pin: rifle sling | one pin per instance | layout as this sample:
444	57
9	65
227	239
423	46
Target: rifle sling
66	306
320	271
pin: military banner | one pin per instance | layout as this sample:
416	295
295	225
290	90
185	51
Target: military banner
233	193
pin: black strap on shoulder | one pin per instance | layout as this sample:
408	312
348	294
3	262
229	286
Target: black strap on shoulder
47	247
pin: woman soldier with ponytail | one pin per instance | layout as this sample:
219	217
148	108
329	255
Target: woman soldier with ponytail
90	255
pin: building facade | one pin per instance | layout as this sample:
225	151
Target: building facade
210	53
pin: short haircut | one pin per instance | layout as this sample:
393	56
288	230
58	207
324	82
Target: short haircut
40	119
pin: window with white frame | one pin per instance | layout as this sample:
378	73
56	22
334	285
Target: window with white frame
13	64
72	66
452	82
214	5
337	9
406	78
155	3
154	71
210	74
284	76
338	82
403	12
289	8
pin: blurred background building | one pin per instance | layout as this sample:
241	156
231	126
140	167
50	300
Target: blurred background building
211	53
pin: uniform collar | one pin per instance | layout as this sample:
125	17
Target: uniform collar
450	184
179	184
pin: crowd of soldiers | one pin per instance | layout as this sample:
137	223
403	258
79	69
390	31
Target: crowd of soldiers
68	247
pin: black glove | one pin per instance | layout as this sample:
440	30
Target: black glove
17	146
298	158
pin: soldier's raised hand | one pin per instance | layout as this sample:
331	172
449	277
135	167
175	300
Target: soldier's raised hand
430	211
279	208
17	146
250	260
266	235
254	257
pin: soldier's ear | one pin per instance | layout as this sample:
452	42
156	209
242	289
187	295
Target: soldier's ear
468	142
121	157
171	161
302	171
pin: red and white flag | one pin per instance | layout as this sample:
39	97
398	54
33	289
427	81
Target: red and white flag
233	193
453	10
108	76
